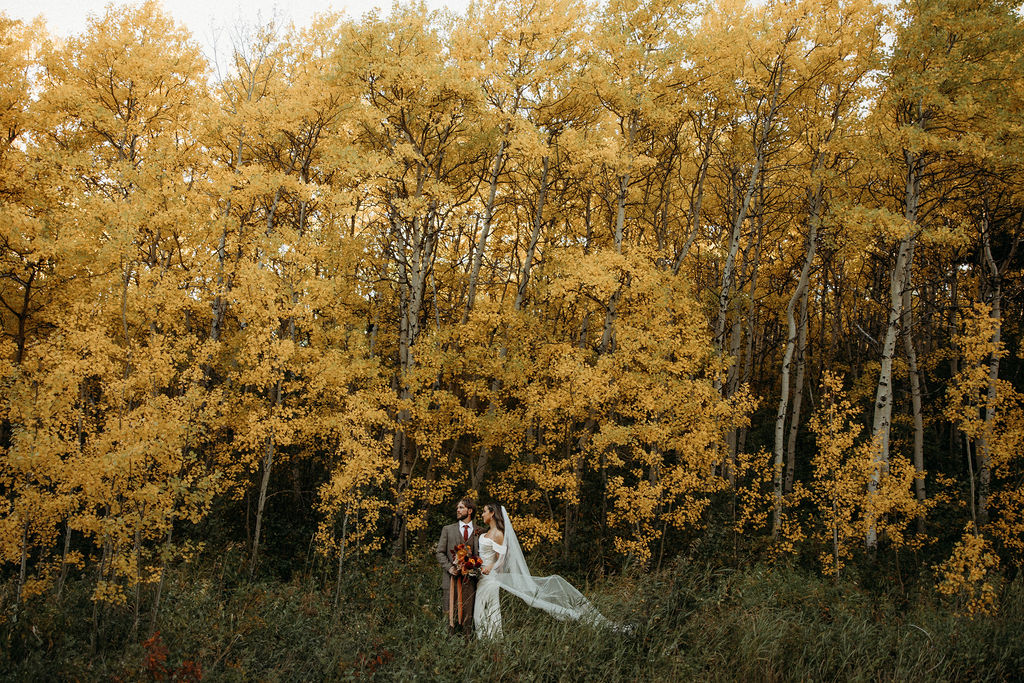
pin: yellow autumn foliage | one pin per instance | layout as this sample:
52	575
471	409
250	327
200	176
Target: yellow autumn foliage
554	253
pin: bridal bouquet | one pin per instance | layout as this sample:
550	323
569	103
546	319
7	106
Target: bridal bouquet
467	562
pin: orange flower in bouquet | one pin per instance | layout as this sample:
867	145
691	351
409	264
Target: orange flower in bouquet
467	562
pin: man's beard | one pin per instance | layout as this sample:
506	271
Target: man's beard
466	516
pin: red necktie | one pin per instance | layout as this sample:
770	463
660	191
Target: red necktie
465	532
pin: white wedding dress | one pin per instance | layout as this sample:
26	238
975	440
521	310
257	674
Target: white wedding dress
487	608
553	594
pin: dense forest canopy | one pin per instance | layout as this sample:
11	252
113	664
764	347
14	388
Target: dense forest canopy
638	269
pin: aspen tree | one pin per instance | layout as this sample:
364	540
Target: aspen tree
118	110
945	59
843	48
415	120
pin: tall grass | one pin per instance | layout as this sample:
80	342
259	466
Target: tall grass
689	621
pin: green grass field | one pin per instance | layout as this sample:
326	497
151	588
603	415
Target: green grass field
690	621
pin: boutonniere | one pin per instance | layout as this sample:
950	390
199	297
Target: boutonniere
478	532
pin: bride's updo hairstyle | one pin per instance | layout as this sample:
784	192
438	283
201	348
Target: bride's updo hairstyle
497	520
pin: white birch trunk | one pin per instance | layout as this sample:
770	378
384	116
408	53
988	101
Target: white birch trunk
484	454
915	395
984	447
787	357
485	230
801	371
899	280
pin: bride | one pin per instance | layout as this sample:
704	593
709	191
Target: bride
505	568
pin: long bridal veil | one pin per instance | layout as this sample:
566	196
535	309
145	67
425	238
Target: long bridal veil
553	594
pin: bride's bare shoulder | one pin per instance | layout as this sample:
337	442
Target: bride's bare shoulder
499	536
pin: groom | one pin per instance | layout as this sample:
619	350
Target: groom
462	531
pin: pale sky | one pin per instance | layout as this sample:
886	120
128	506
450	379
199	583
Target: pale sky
66	17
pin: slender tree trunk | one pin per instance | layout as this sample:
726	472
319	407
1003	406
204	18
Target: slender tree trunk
341	559
743	379
137	551
983	449
954	364
64	558
970	474
787	357
479	469
915	394
163	577
620	223
695	205
801	371
101	573
485	230
21	336
735	339
766	126
607	333
899	280
412	285
219	305
835	538
620	212
725	290
22	571
268	462
538	222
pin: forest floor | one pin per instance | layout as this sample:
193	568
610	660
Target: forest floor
689	621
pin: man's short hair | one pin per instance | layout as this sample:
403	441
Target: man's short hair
470	503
